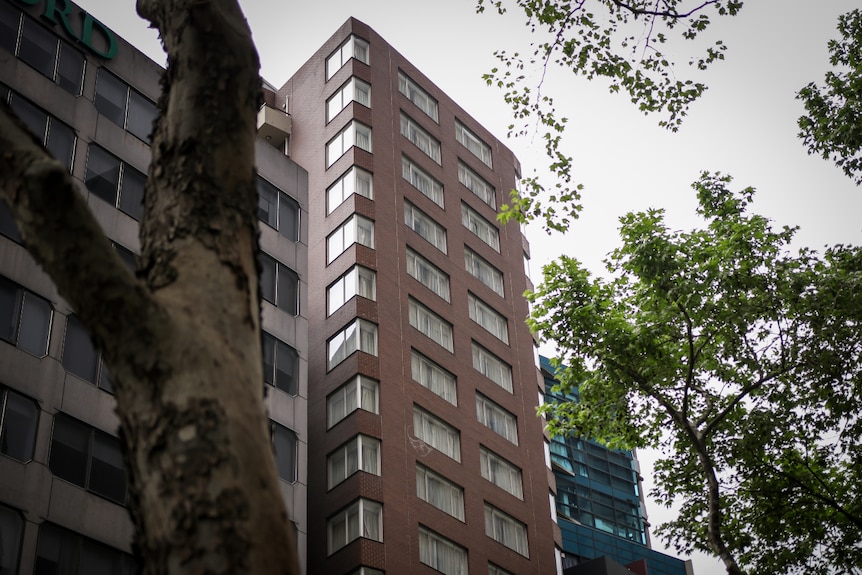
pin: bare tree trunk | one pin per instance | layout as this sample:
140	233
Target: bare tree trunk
183	341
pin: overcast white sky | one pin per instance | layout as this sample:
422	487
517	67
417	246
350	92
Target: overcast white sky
745	125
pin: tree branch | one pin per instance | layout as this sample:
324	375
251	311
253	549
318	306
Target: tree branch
671	13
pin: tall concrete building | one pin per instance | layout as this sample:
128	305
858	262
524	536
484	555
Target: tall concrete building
425	452
600	503
89	96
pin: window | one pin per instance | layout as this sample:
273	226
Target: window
284	445
88	458
428	374
358	335
280	364
480	269
429	145
507	530
38	47
354	134
439	553
362	453
439	492
124	106
354	90
439	435
357	281
11	528
81	358
8	227
353	181
367	571
55	136
353	47
428	274
277	210
427	228
494	570
496	418
431	325
481	228
359	393
417	95
492	367
500	472
279	284
476	184
364	518
484	315
114	181
25	318
19	416
355	230
474	143
422	181
62	551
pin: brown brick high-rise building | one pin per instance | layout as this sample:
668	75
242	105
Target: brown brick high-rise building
425	452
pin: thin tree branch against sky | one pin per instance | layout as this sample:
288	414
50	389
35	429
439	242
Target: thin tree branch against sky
744	125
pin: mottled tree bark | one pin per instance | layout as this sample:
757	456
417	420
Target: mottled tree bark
183	338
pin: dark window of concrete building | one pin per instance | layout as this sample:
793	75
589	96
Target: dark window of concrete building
284	443
114	181
124	106
62	551
19	416
8	227
277	210
55	136
40	48
25	318
279	284
10	22
280	364
81	358
11	531
88	458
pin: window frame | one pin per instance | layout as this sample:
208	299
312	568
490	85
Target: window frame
484	361
488	318
345	51
431	325
496	418
51	126
22	444
501	472
428	274
282	207
429	429
21	302
434	378
345	191
348	233
133	210
421	138
453	561
479	186
425	226
283	279
132	100
354	85
356	447
422	181
271	372
507	528
454	493
346	138
101	375
416	94
358	511
484	271
354	387
361	329
480	227
58	54
474	144
364	284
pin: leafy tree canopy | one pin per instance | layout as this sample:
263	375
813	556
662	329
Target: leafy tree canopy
736	358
